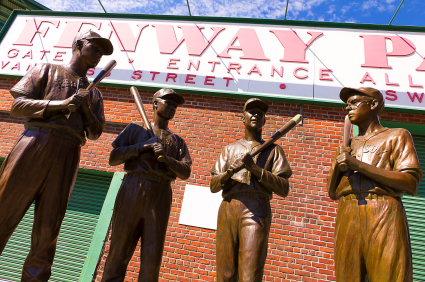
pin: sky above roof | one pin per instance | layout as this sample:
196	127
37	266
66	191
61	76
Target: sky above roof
412	12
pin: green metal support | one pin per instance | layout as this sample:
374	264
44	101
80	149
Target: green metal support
102	6
287	4
396	12
187	1
101	229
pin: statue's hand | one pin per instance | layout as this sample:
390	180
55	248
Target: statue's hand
78	99
345	157
159	153
148	144
237	166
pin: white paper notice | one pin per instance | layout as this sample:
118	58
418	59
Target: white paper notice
200	207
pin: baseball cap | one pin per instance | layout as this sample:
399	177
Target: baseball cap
169	93
255	102
373	93
93	36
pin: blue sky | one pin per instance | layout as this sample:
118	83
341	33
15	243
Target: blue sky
361	11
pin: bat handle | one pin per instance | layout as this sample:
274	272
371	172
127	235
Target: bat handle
161	158
72	108
343	167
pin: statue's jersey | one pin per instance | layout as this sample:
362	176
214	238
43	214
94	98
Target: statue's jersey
389	149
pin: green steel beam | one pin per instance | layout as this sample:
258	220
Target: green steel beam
286	11
188	7
396	12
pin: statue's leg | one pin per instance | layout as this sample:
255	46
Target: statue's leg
227	241
50	207
254	233
388	252
348	241
154	229
18	189
126	221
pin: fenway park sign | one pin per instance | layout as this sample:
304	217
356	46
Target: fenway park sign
268	60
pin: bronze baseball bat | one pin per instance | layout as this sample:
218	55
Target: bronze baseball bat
141	108
282	131
348	128
102	74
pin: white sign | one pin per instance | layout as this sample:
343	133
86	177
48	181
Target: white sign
266	60
200	207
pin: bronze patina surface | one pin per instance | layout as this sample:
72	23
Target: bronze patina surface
42	165
143	203
244	216
371	232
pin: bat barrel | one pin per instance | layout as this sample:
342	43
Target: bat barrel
103	73
282	131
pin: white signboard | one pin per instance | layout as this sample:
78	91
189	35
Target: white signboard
200	207
266	60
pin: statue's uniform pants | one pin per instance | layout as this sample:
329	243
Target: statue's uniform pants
243	227
372	236
41	167
141	211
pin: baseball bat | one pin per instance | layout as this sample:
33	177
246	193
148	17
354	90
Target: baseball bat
348	128
141	108
282	131
103	73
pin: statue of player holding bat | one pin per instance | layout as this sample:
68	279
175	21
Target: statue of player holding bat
248	183
371	231
143	204
42	165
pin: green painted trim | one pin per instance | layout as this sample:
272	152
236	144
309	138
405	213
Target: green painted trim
96	172
414	128
101	229
9	22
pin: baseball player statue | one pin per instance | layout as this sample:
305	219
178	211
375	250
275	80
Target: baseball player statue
244	216
42	165
143	203
371	232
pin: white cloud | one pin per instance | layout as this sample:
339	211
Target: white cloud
317	10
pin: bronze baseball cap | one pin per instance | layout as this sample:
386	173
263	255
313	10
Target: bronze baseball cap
373	93
169	93
255	102
93	36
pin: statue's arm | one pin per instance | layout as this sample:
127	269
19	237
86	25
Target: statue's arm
124	149
94	117
220	176
334	177
181	167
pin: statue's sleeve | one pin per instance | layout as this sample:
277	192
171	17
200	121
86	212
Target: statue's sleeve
276	180
123	147
405	156
219	168
333	179
29	94
95	129
181	167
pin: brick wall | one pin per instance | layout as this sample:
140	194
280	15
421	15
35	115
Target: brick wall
301	236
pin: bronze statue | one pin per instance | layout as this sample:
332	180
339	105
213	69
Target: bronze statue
43	163
371	232
143	204
244	216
